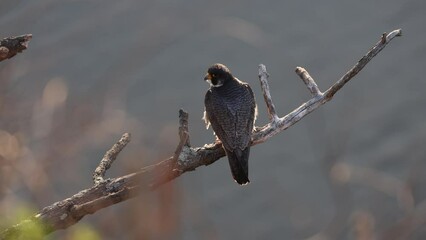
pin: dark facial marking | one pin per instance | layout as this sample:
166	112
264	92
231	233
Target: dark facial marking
219	72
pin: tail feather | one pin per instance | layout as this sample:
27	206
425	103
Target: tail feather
238	161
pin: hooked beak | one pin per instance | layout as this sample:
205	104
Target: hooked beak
207	77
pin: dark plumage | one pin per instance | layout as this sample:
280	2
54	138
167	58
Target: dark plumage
230	108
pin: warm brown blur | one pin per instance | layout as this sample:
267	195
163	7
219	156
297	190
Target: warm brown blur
353	169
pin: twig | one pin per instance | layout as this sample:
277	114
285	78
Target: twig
11	46
109	158
263	78
67	212
309	82
290	119
183	134
384	40
172	170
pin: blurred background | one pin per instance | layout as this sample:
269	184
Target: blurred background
352	169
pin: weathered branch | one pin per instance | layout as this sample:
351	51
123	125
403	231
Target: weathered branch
285	122
263	78
109	158
385	39
11	46
309	82
104	193
183	134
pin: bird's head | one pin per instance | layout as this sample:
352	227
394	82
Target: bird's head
218	74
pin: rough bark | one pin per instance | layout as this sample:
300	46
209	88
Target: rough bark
11	46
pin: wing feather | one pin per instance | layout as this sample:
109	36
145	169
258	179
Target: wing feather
221	119
232	124
246	115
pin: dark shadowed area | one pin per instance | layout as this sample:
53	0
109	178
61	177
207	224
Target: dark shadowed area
353	169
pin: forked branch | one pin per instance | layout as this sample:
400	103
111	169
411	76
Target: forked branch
104	193
109	158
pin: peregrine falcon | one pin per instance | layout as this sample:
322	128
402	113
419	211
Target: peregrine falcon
230	108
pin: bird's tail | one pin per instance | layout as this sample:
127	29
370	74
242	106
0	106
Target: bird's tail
238	161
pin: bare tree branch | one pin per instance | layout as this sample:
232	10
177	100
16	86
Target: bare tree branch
309	82
11	46
285	122
67	212
263	78
109	158
183	134
386	38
